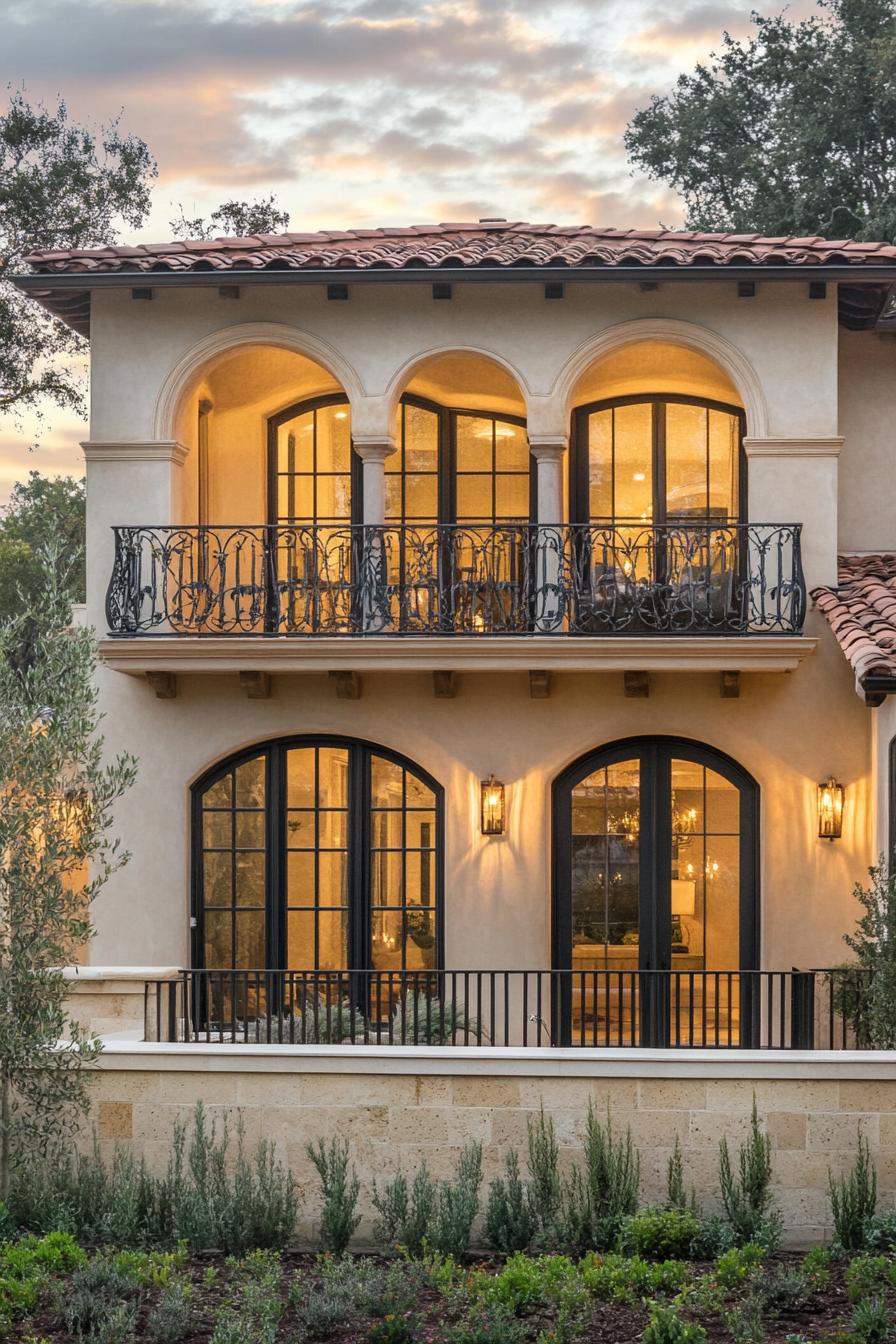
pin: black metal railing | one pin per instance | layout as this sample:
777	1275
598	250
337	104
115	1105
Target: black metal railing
508	579
771	1010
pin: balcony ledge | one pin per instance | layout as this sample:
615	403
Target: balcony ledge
431	653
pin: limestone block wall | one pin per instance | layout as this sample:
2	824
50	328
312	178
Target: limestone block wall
399	1106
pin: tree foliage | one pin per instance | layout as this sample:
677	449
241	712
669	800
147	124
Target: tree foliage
792	131
873	1000
58	793
61	185
44	515
236	219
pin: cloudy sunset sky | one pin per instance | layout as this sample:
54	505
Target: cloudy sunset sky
366	112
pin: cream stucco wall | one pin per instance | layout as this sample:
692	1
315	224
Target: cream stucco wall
867	379
777	351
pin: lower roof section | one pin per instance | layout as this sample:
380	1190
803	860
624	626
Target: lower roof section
515	653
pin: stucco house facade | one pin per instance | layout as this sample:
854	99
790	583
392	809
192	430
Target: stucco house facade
486	604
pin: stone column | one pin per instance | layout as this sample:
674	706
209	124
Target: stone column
551	543
371	557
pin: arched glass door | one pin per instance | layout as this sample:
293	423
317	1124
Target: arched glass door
655	885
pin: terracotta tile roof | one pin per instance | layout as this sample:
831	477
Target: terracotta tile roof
861	611
486	243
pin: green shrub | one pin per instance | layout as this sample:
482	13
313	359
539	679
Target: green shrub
596	1199
734	1267
98	1303
871	1322
391	1330
526	1285
867	1275
661	1234
406	1212
488	1325
676	1195
747	1198
168	1322
254	1306
854	1199
544	1172
620	1278
27	1265
203	1198
458	1204
745	1320
431	1215
339	1192
149	1268
881	1232
666	1327
510	1218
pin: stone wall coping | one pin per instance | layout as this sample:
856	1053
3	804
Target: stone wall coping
498	1061
93	974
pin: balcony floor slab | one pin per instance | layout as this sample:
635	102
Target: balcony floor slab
407	653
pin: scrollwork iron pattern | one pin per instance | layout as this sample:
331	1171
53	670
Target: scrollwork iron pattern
514	579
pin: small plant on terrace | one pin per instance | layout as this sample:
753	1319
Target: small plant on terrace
747	1197
854	1200
425	1019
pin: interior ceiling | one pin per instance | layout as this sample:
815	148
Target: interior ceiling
470	381
655	366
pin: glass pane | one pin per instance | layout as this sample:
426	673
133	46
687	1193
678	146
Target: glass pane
217	879
331	829
300	884
334	498
332	777
250	940
421	440
724	444
512	498
332	940
633	453
217	830
295	444
300	491
687	798
300	949
386	878
219	795
250	830
301	830
600	465
474	443
250	783
686	459
421	498
722	805
723	903
386	831
420	829
386	939
419	871
419	794
300	777
386	783
333	438
511	447
218	945
420	947
474	498
250	880
332	878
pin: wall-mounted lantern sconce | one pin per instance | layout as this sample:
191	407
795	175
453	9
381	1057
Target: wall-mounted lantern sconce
491	806
830	810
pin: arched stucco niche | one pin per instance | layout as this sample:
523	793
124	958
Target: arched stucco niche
221	415
471	379
660	356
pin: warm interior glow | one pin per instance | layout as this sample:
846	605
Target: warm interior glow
655	366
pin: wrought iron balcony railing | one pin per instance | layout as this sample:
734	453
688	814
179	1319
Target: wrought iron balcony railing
514	579
747	1010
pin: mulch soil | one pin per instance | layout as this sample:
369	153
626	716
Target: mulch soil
824	1318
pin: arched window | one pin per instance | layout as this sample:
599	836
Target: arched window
658	459
317	853
655	870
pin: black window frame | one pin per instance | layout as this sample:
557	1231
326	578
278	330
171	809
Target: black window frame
358	823
579	499
446	489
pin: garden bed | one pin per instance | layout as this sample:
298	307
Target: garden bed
140	1297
